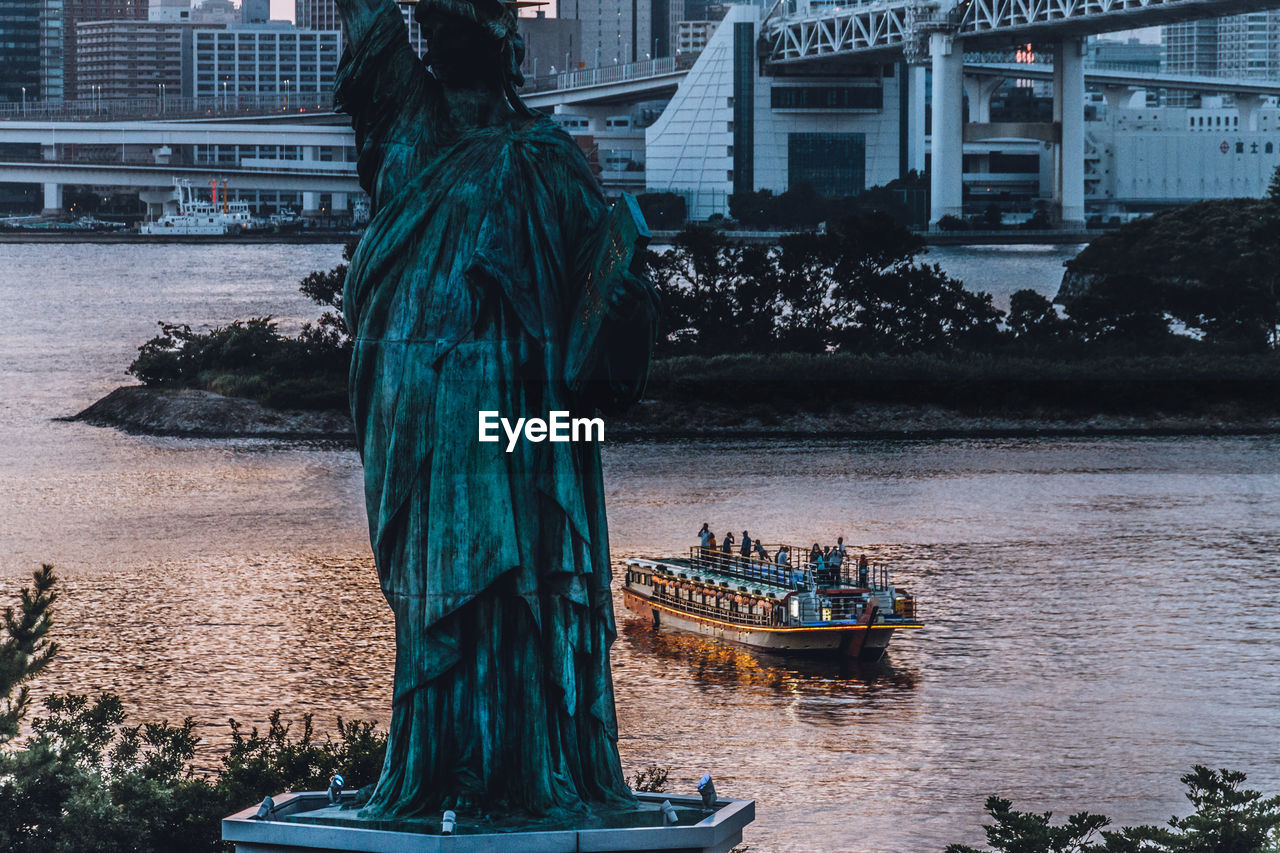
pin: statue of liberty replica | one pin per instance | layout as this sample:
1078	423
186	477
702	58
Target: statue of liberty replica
493	277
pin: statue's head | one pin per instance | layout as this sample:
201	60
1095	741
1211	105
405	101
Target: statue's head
472	40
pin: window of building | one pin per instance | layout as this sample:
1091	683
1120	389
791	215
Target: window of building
834	162
826	98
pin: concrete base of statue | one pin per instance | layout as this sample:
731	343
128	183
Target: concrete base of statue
306	823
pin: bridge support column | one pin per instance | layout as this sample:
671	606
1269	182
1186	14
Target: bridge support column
916	108
979	91
52	200
946	171
1068	108
1247	107
310	201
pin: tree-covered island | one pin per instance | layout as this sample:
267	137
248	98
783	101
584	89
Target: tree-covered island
1166	324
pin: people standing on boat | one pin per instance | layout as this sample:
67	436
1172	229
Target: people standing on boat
863	570
706	536
745	550
815	556
725	557
783	557
760	551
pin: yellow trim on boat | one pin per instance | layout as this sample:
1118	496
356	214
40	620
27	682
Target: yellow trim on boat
769	628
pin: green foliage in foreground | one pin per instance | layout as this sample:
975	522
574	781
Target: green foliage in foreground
86	781
1227	819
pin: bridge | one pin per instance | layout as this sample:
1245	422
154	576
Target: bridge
804	38
891	28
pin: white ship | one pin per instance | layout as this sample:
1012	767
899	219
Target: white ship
197	216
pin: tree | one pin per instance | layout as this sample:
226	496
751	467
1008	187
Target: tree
1034	321
26	649
325	289
886	302
1028	832
1227	819
1273	188
1126	310
715	293
663	211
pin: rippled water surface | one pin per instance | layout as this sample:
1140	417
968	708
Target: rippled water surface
1102	613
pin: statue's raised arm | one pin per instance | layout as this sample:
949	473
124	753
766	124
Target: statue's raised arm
387	91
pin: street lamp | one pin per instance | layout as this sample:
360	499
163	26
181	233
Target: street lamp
224	96
286	95
24	101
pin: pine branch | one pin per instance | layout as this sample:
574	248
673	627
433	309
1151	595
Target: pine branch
26	649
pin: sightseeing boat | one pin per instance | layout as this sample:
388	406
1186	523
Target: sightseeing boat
786	607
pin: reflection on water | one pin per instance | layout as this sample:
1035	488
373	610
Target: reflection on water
1101	613
744	668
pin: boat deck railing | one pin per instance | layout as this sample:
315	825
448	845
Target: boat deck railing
796	571
758	613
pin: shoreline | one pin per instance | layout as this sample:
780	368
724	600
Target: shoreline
116	238
200	414
1005	237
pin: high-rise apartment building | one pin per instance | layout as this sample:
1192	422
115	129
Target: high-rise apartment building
323	15
615	31
20	49
550	44
132	59
58	23
1241	45
255	11
317	15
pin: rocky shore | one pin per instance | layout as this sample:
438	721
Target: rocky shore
200	414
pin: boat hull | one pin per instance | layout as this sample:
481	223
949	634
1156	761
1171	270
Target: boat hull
862	642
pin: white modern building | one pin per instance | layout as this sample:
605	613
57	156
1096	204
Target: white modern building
732	128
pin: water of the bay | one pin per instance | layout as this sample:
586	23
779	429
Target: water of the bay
1101	612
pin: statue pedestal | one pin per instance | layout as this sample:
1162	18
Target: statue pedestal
306	823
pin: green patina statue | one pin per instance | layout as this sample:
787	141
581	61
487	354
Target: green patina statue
488	280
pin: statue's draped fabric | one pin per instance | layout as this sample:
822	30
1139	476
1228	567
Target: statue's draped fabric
495	564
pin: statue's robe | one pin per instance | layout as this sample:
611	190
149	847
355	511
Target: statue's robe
496	564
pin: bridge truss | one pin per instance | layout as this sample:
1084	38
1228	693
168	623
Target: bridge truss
875	30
